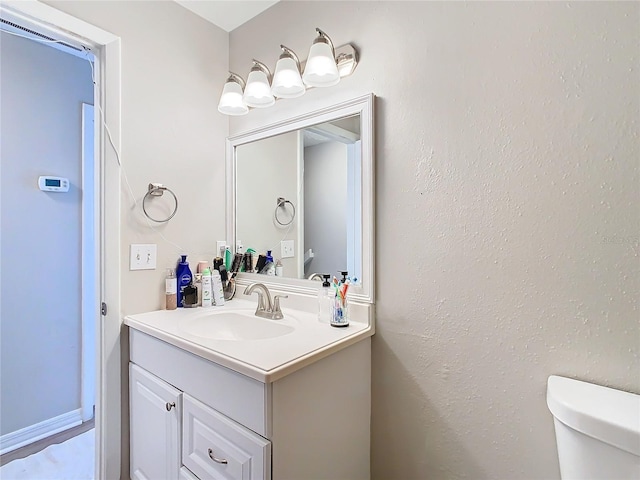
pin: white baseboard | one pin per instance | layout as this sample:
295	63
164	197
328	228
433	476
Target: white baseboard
33	433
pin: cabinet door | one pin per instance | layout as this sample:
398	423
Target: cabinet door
215	447
156	423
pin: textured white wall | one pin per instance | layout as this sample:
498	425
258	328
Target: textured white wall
507	199
172	132
42	94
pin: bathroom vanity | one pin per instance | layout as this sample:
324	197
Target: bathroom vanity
293	403
220	393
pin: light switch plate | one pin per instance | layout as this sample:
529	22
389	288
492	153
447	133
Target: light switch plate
286	249
143	256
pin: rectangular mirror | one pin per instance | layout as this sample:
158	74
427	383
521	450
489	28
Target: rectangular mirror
303	190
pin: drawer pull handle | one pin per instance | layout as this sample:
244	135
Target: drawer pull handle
217	460
169	406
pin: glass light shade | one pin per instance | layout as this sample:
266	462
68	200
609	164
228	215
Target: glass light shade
287	82
231	102
321	69
257	93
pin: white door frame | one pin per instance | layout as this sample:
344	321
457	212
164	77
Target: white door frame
90	265
106	48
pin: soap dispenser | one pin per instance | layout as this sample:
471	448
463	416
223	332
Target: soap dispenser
326	295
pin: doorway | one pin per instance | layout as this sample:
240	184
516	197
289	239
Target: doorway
48	201
51	23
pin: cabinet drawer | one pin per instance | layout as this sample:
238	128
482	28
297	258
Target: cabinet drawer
185	474
217	448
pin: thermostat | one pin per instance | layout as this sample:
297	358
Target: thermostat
53	184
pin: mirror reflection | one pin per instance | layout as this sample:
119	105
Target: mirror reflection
298	196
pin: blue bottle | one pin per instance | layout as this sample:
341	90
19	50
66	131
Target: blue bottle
184	277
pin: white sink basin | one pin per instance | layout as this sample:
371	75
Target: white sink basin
234	325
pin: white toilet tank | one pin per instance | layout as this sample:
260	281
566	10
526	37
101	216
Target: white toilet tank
597	430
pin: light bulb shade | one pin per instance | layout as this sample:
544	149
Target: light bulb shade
231	102
321	69
257	93
287	82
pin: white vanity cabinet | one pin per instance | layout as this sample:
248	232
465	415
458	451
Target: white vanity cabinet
170	428
311	423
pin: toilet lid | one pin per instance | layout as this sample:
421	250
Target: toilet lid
611	416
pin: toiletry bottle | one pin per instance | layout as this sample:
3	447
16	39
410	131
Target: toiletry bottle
279	268
207	292
189	296
216	287
326	295
247	263
184	277
224	275
270	267
217	262
237	263
171	289
228	258
198	284
254	260
260	264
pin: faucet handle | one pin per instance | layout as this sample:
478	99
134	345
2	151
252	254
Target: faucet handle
276	302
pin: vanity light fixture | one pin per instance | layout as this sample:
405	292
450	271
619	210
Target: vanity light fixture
347	59
287	82
324	68
231	102
257	93
321	69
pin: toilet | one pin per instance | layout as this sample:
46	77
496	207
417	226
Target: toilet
597	430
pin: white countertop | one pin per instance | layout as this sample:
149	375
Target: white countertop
265	360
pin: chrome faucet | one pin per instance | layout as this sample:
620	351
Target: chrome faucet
315	276
266	309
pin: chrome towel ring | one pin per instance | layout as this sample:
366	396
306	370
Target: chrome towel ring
282	204
157	190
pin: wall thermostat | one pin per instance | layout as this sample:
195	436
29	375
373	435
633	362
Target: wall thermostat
53	184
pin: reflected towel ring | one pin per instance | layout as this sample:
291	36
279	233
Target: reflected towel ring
281	203
157	190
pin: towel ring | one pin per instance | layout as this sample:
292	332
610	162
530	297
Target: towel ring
157	190
281	203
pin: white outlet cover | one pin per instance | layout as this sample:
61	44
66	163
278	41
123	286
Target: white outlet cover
143	256
287	249
220	244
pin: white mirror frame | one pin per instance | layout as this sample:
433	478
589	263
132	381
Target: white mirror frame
365	290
